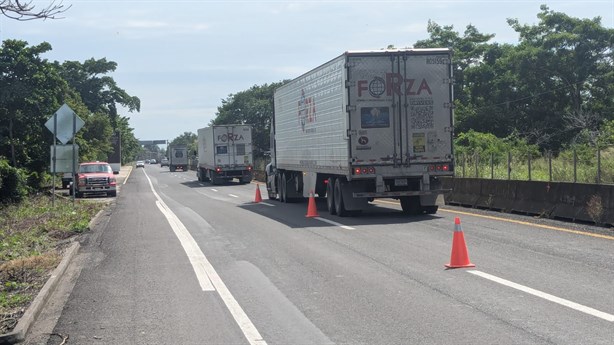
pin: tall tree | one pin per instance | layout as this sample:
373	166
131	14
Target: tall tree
31	92
98	90
566	64
253	107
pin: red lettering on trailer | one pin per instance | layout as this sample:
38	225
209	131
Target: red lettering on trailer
395	84
362	86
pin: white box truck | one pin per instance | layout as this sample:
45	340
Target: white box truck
225	153
365	125
178	157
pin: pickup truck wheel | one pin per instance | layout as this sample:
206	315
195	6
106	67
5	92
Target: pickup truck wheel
339	204
330	196
78	195
113	193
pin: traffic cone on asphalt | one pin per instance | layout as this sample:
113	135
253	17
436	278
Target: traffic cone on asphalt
258	197
312	210
459	257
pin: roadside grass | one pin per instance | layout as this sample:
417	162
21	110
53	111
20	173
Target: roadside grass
32	237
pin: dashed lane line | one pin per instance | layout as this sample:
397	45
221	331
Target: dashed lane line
546	296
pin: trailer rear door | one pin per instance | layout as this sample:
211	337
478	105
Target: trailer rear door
233	145
400	107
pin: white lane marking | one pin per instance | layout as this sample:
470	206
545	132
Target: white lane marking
546	296
259	203
202	184
213	189
335	223
234	196
200	263
195	255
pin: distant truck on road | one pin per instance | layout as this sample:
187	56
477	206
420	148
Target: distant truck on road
225	153
365	125
178	158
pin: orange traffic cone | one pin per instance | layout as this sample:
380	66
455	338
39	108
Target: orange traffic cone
312	210
258	197
459	257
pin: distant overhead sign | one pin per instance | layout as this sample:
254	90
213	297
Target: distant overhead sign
152	142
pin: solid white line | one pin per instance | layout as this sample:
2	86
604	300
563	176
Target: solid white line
335	223
551	298
234	196
200	263
213	189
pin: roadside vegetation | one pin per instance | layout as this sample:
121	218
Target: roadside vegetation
33	235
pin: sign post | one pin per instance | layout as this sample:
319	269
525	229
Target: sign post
64	124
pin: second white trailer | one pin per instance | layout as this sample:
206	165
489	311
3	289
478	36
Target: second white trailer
225	153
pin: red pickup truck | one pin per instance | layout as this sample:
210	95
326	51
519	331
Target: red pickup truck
95	178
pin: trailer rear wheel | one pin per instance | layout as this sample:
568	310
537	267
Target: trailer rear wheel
411	205
284	188
338	196
330	196
430	209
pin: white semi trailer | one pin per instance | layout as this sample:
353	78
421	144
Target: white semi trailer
365	125
225	153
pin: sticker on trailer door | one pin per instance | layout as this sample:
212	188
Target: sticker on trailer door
374	117
419	142
421	113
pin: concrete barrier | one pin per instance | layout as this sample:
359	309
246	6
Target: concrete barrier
574	201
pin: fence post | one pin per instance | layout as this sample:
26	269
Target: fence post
492	165
575	166
550	164
529	166
477	159
598	165
464	163
509	165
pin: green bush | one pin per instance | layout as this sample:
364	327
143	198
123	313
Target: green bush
13	183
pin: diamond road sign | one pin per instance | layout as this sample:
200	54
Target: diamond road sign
64	130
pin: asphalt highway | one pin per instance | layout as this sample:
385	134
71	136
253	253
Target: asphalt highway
177	261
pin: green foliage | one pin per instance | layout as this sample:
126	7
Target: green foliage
253	107
13	183
187	139
33	89
486	144
553	88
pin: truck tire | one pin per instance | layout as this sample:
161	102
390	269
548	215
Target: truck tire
113	193
172	168
411	205
330	196
338	198
282	189
430	209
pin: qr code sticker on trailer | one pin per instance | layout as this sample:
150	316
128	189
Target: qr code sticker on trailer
421	113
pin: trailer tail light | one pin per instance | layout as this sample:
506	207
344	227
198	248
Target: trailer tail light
218	169
364	171
249	168
439	167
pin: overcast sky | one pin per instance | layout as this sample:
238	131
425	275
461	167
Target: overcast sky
181	58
